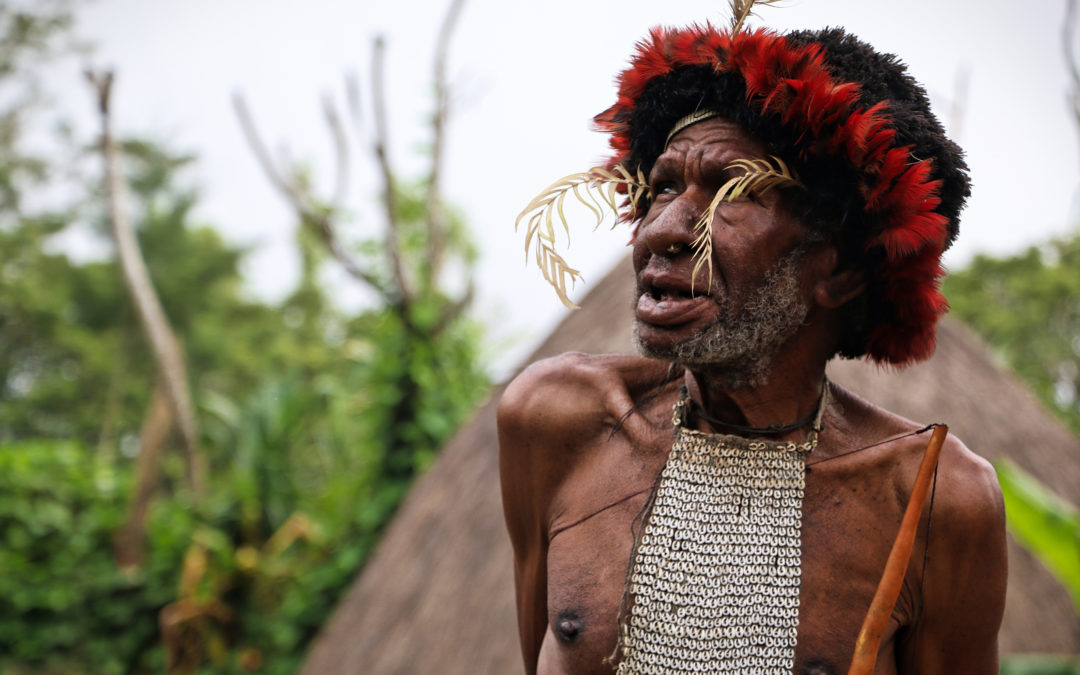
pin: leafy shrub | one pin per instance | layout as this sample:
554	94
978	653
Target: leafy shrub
242	582
64	604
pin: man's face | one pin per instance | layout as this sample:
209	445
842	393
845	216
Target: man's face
756	300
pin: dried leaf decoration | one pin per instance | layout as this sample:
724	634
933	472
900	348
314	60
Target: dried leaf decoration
741	10
598	190
760	176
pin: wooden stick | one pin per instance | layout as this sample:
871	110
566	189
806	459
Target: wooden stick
877	617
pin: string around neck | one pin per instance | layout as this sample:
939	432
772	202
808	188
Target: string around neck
816	416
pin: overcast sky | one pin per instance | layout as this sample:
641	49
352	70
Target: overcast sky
528	78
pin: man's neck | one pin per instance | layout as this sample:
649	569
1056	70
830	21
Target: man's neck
786	393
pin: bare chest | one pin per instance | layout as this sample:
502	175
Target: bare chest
847	529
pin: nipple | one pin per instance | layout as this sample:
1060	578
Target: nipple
568	625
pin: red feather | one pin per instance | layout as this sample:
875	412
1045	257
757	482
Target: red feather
900	193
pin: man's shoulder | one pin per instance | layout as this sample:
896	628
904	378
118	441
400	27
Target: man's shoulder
957	574
558	412
574	386
968	491
966	483
964	562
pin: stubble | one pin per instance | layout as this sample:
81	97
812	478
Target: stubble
740	347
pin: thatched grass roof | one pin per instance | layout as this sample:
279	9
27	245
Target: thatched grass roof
437	595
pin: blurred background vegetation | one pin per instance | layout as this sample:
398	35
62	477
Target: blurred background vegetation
312	420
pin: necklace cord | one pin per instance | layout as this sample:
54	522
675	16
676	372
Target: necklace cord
928	427
816	416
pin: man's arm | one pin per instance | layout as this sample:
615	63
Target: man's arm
523	508
544	416
967	568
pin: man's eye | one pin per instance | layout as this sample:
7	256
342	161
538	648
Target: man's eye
665	189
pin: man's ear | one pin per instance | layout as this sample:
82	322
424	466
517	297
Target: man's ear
839	289
837	286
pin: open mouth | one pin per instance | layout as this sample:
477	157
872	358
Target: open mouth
662	294
670	306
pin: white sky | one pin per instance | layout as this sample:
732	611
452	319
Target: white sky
529	77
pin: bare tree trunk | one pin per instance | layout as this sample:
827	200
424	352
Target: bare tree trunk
1068	38
436	214
128	544
163	343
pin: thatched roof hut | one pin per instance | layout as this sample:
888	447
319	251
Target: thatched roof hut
437	595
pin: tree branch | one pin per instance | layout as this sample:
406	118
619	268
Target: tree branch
251	134
436	214
168	356
341	150
454	310
319	219
400	290
129	543
379	147
352	100
1068	38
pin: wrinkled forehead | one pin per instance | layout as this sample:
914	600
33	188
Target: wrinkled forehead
715	136
695	117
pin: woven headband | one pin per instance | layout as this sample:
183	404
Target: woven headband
692	118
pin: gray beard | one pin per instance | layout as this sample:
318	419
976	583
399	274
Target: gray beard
739	349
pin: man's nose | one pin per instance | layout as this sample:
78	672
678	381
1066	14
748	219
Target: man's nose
673	230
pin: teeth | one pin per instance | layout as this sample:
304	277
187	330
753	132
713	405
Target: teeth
662	294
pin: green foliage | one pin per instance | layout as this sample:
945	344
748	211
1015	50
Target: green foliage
1044	523
73	363
1040	664
31	34
277	548
1026	307
313	421
307	446
305	471
63	602
433	381
26	34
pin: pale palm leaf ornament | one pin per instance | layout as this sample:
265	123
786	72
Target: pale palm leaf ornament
760	176
599	190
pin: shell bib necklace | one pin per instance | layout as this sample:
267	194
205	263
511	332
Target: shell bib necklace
715	576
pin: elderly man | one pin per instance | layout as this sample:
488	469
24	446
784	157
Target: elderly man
717	505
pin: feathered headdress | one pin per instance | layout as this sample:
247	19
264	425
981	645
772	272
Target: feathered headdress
880	176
